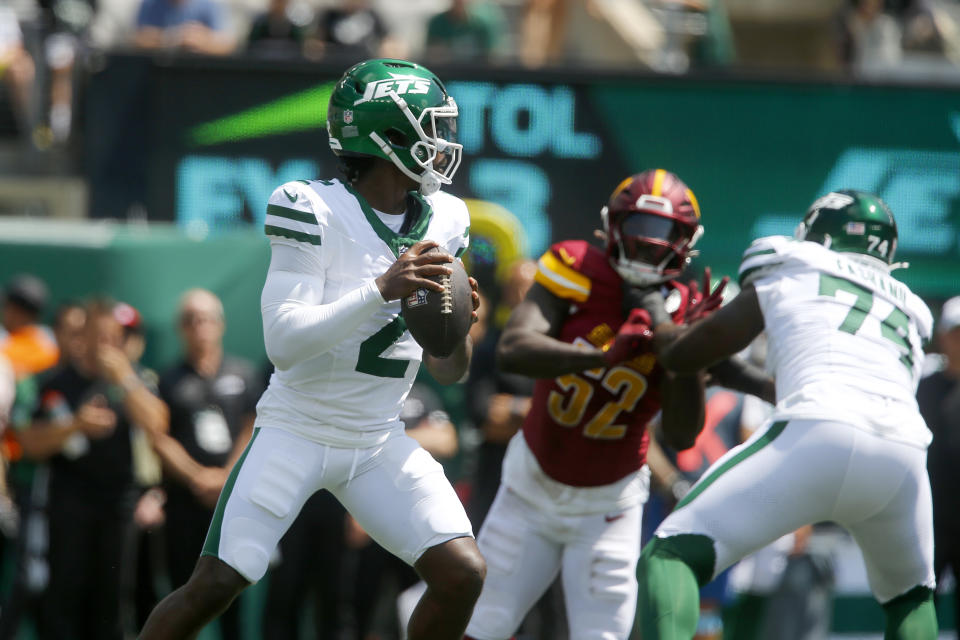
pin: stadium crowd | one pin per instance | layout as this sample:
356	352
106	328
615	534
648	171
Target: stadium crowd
47	46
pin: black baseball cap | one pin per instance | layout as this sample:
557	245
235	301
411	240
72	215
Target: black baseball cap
27	291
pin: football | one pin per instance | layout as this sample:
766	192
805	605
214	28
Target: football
439	321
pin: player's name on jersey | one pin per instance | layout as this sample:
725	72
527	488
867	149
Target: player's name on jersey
871	275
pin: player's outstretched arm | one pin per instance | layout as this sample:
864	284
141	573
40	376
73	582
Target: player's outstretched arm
683	409
738	374
717	337
529	347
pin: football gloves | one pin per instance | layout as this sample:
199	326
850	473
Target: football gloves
704	302
631	340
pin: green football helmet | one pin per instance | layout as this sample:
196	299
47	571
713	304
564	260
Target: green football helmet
851	221
398	111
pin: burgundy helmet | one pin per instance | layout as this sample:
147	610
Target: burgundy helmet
652	222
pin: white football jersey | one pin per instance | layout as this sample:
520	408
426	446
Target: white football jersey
352	394
845	337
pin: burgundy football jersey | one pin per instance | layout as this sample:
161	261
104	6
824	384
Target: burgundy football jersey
588	429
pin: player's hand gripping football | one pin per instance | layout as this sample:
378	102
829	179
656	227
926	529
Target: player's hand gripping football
411	271
704	302
632	338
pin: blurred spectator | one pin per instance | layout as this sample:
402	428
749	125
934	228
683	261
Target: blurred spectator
7	387
29	481
715	47
27	344
212	401
68	329
134	341
8	512
114	24
64	24
279	32
938	396
82	425
543	31
16	67
870	40
197	26
469	31
357	31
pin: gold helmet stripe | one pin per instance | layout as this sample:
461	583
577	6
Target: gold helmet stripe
693	200
658	177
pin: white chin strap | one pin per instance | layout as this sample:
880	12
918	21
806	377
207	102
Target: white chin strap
429	182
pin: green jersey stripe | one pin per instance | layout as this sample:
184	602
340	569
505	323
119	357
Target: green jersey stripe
750	272
211	546
291	214
775	430
757	252
271	230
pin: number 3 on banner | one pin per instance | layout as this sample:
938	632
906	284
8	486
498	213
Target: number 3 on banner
568	410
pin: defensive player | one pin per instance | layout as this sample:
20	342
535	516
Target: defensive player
574	477
846	442
344	252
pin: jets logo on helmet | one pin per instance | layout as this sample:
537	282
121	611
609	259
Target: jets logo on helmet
651	222
398	111
852	221
400	83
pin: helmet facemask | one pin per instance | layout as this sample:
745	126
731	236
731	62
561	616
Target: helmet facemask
436	152
651	245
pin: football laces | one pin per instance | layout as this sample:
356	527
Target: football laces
446	298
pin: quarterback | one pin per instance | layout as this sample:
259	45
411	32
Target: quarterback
846	442
574	477
344	253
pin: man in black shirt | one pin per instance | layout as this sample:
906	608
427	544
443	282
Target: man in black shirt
212	399
83	426
939	398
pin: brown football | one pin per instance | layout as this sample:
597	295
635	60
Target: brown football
439	321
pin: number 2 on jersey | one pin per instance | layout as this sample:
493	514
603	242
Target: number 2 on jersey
894	327
370	361
569	410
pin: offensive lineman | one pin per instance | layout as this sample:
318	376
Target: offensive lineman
344	252
846	442
574	477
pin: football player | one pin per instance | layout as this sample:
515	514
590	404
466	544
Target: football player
845	443
344	252
574	478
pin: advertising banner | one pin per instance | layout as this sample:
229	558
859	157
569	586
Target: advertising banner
204	144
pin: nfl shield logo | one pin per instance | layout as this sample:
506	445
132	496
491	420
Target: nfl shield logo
417	298
347	116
